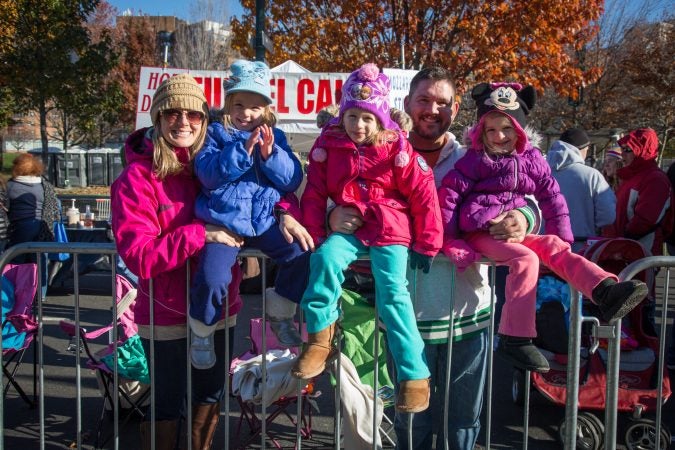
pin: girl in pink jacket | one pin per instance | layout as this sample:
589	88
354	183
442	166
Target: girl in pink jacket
500	167
362	160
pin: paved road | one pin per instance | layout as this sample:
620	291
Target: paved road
22	424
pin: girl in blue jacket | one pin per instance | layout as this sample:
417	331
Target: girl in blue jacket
245	167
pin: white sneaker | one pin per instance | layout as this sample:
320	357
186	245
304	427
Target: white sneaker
202	353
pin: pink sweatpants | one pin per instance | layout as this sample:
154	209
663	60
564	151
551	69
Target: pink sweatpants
519	311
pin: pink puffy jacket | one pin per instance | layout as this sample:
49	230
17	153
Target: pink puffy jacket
156	232
390	184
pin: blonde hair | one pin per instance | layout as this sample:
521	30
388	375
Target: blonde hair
164	160
268	116
382	134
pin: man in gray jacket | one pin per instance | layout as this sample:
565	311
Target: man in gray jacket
591	201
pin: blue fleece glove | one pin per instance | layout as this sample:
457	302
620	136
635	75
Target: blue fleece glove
420	261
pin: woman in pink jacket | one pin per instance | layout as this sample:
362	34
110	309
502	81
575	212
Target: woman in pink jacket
158	237
500	167
362	160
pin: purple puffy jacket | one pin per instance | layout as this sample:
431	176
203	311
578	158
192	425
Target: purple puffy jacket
481	187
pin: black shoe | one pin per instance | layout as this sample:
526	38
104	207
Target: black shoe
615	300
522	353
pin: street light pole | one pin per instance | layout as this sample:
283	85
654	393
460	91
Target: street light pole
165	41
259	30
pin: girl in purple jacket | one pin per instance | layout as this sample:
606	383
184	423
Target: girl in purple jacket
500	167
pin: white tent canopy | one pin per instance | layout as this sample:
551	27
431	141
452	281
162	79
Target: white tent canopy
289	67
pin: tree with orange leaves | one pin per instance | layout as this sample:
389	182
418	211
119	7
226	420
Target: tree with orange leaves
531	41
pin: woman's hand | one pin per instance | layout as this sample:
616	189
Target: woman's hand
345	219
221	235
291	228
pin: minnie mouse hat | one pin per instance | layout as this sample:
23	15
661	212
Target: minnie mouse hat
508	98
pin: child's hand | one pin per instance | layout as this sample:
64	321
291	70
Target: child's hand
420	261
253	139
266	141
460	254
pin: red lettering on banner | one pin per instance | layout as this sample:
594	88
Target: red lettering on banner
280	95
206	84
324	96
153	80
305	88
338	91
164	76
217	93
145	103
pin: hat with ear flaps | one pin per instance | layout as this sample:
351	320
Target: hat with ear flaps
508	98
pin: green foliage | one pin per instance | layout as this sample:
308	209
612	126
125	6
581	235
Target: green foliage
52	62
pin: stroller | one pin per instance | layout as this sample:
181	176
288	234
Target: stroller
637	391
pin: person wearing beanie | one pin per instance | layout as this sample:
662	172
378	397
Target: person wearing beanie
245	167
590	200
362	160
455	330
501	167
157	236
610	165
644	199
576	137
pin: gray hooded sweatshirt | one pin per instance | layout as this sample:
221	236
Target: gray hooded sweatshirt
591	201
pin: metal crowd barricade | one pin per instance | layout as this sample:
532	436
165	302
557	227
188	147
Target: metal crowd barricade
610	331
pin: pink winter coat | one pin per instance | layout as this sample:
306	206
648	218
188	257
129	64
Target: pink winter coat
156	232
390	184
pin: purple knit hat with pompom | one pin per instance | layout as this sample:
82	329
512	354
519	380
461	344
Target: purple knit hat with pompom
368	89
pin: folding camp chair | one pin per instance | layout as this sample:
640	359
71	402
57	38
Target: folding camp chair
19	326
133	381
282	405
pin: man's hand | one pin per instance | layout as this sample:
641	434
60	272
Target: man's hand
221	235
509	226
291	228
345	219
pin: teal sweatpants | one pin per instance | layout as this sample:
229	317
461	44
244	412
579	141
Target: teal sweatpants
389	264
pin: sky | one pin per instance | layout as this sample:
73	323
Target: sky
183	9
188	9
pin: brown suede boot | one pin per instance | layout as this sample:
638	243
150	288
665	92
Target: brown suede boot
165	435
204	423
317	352
413	396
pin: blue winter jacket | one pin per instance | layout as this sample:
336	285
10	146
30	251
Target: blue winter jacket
239	191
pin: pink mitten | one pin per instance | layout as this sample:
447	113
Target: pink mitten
460	254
